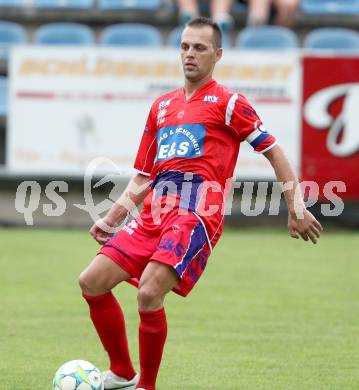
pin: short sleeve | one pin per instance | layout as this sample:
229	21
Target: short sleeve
147	149
245	122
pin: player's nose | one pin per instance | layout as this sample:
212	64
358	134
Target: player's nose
190	52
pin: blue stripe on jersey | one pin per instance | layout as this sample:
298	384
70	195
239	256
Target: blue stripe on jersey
259	139
197	241
185	185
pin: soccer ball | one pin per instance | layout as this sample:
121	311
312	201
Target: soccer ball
78	375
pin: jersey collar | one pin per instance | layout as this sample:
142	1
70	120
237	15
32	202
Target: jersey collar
200	91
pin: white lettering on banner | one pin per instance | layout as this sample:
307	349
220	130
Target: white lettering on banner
346	123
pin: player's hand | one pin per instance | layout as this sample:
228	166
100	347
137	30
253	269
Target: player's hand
305	226
103	229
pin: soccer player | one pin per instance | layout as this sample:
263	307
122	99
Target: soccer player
185	164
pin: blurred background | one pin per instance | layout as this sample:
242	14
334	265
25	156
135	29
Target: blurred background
77	78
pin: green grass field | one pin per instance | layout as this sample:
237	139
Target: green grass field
270	313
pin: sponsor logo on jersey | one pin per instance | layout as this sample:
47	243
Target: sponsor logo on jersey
161	116
180	115
249	112
164	103
211	99
129	228
169	245
175	228
184	141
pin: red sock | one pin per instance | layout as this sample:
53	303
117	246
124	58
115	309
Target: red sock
108	319
152	337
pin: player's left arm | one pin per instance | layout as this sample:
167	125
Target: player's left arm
301	222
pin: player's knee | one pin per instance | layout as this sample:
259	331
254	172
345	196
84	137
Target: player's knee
150	297
84	282
89	284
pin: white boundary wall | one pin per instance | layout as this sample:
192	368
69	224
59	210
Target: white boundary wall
70	105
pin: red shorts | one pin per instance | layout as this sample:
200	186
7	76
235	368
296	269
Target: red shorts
179	241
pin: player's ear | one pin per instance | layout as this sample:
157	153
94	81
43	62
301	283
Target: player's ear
219	52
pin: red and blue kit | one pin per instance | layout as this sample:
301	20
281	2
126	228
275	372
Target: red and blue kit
189	149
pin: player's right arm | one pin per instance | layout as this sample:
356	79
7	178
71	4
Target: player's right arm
134	194
138	187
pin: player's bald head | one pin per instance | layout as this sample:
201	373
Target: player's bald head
202	22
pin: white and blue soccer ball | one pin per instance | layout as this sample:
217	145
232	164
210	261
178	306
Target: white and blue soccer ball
78	375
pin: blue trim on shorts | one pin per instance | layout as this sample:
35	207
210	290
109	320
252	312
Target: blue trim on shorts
196	244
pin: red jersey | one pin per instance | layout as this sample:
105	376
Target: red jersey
201	136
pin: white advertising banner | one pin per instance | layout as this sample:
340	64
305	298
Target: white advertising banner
70	105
